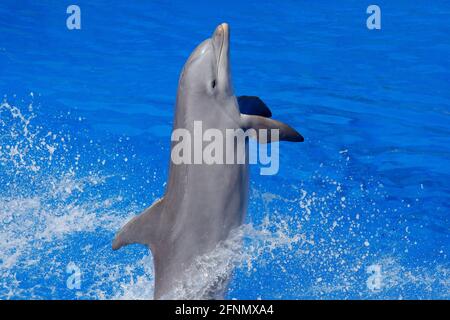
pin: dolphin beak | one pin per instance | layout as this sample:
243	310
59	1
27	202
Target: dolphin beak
221	32
221	42
220	39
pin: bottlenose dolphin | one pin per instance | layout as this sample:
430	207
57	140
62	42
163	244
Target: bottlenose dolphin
202	202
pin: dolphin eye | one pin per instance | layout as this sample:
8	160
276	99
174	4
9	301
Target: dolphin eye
213	84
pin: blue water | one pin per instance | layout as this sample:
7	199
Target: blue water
85	124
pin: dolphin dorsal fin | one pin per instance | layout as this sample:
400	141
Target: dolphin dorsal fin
253	106
142	228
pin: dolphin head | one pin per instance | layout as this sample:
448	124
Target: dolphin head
207	71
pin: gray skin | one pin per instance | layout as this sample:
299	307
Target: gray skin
202	202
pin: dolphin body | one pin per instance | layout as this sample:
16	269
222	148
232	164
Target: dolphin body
202	202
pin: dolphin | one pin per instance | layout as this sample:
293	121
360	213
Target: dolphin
202	203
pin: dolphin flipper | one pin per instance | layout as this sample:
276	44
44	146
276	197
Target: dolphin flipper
286	133
141	229
253	106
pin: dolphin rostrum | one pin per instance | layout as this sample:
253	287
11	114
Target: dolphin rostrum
202	202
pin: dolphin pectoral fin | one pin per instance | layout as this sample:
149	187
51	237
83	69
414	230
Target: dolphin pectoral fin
141	229
253	106
285	133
